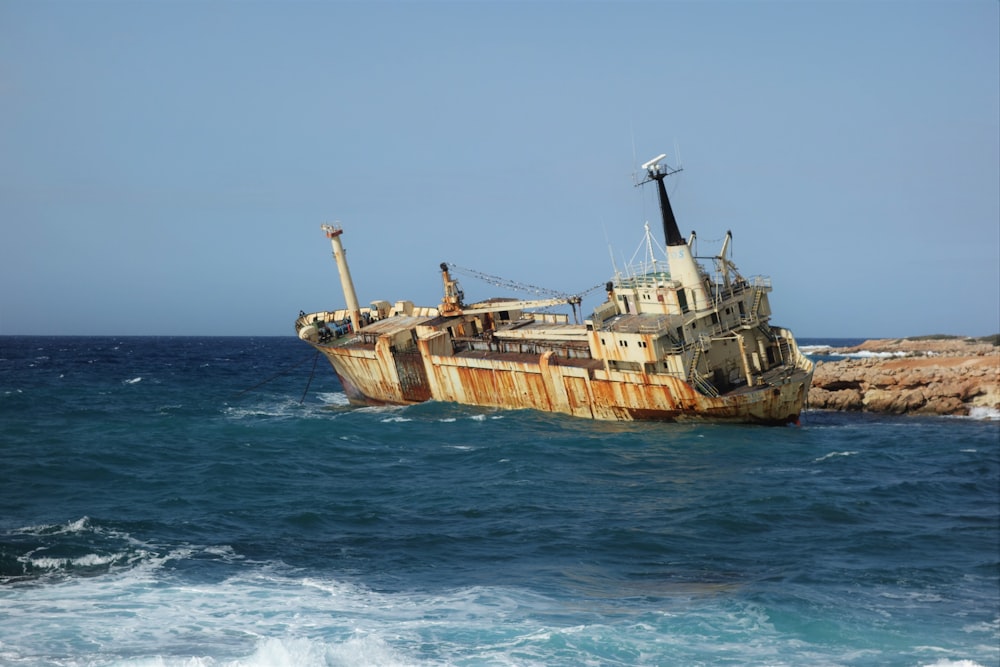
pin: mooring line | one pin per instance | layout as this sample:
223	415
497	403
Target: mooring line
284	372
311	373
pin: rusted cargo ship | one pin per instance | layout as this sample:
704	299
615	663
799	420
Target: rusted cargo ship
672	343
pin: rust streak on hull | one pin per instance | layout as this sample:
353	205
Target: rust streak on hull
544	384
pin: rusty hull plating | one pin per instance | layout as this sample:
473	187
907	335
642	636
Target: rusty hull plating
673	345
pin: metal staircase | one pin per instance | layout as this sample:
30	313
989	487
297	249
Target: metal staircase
694	378
758	296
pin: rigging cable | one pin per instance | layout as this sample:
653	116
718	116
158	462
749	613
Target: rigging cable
275	377
311	374
497	281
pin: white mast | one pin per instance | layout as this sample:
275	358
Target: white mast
350	296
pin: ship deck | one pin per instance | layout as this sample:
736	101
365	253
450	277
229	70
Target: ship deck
638	323
535	330
529	358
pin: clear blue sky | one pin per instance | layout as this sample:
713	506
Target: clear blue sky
165	166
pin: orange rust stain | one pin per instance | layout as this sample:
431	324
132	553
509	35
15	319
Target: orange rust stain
547	386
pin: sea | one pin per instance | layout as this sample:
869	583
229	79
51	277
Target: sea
190	502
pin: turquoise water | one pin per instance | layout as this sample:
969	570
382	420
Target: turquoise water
155	512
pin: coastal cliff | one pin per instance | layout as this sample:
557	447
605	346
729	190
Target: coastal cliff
930	376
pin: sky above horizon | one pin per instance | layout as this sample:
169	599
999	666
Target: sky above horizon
165	167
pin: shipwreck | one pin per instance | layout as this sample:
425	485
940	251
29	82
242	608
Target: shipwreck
672	343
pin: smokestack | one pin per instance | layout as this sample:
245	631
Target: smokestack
683	267
670	230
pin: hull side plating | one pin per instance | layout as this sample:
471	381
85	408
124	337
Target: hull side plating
551	383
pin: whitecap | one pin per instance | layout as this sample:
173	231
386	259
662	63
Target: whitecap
79	525
86	561
55	529
132	381
833	454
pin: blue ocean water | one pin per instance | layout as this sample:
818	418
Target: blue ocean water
177	501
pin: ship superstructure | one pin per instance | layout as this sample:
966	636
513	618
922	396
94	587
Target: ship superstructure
672	343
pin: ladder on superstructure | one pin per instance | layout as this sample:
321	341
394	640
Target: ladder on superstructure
694	378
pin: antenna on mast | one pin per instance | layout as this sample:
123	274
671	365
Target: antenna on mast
655	171
631	128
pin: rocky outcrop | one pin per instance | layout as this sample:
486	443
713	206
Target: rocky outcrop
911	376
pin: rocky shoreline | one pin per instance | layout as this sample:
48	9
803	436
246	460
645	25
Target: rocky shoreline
929	376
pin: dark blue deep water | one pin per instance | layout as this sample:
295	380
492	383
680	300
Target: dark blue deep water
155	512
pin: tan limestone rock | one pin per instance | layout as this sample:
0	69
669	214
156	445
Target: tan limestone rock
944	377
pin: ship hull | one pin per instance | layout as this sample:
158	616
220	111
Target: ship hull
379	375
671	342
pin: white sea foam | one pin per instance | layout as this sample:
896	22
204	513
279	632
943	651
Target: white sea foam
287	408
378	409
270	615
985	413
826	350
865	354
360	649
337	398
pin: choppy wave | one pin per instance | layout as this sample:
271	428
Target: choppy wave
270	616
75	548
185	520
